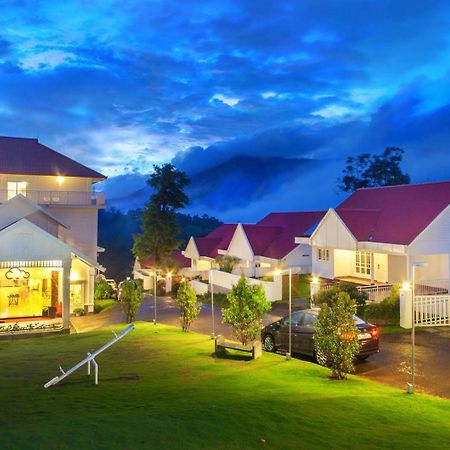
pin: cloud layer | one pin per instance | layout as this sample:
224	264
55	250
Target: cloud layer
123	85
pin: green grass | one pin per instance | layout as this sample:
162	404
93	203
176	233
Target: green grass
104	305
163	389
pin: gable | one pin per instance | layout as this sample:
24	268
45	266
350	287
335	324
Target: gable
332	233
435	239
240	246
191	249
25	241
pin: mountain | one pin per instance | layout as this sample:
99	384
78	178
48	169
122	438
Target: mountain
241	188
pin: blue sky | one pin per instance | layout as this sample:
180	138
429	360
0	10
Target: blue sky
123	85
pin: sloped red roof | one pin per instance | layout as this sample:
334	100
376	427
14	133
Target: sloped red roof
290	225
260	237
394	214
218	239
149	262
27	156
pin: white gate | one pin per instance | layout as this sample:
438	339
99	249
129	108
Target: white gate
432	310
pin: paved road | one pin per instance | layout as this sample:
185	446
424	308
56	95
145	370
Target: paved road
390	366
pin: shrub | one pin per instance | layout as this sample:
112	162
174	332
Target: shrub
386	312
187	302
336	337
103	291
248	304
328	296
131	298
227	263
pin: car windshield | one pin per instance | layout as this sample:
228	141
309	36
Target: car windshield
358	321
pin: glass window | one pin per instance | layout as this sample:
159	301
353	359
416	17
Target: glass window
323	254
297	317
362	263
16	188
309	320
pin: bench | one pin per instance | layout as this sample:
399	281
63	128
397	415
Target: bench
221	345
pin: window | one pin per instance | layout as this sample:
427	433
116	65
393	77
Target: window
296	319
362	263
323	254
16	188
309	320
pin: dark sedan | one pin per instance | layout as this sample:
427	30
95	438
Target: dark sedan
276	335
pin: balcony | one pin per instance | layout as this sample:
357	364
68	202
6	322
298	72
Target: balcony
58	198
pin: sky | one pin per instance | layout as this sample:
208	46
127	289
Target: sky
121	86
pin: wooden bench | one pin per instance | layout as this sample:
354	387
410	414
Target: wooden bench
221	345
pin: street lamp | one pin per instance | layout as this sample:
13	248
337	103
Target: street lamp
211	287
413	325
278	273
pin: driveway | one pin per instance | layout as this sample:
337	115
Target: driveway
390	366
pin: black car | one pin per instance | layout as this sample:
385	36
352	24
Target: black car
275	337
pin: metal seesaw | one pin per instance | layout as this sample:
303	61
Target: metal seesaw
90	357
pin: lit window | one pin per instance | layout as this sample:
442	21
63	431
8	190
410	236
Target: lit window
323	254
362	263
16	188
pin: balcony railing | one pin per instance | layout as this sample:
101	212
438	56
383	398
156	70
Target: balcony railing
65	198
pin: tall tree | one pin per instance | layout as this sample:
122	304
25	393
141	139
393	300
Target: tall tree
366	170
158	237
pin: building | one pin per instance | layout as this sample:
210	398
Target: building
48	235
376	234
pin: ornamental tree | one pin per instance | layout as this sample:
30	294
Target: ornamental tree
336	337
187	302
131	297
248	304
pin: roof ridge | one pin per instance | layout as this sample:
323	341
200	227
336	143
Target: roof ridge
402	185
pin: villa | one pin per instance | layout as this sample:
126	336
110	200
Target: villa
48	235
377	234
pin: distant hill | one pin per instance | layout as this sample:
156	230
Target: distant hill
233	184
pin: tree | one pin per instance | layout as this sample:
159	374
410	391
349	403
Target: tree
187	302
248	304
227	263
158	237
366	170
131	297
336	337
328	296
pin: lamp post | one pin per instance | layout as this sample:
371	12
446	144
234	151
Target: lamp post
278	273
213	334
154	296
413	325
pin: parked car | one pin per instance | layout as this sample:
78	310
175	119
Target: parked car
276	335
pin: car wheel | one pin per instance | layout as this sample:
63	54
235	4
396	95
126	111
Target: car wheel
269	343
320	357
362	358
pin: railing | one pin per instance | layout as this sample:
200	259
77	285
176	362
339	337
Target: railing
58	197
432	310
376	293
432	287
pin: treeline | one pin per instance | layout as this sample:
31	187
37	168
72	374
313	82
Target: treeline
116	230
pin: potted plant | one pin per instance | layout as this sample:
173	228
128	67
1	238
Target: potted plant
78	312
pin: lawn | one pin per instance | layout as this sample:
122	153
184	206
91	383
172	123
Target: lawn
162	389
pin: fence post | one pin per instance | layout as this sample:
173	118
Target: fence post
406	305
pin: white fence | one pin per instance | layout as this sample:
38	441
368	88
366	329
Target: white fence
199	287
376	294
432	287
273	289
432	310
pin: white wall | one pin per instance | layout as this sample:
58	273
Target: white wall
273	289
435	239
344	262
397	269
437	267
48	183
83	223
381	267
324	269
301	257
199	287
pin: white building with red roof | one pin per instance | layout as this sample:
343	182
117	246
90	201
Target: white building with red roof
376	234
48	235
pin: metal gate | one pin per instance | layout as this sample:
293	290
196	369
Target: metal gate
432	310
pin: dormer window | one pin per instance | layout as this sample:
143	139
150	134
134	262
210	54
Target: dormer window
16	188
